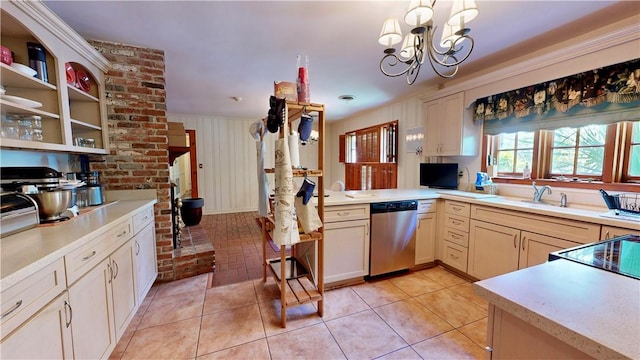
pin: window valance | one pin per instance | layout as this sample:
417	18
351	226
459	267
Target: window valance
603	95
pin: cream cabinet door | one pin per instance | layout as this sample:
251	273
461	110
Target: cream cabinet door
145	260
493	249
92	322
432	113
346	250
608	232
122	283
451	130
426	238
535	248
47	335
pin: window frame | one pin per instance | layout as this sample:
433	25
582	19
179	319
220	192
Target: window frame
615	167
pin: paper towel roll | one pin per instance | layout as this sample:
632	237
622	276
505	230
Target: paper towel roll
294	150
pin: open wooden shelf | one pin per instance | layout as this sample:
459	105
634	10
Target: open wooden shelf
299	283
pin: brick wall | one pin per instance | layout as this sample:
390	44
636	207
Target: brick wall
138	155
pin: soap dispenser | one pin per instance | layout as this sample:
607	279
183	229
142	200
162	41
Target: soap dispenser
526	172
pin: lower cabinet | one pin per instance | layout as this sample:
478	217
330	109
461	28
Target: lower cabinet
497	249
123	285
426	232
426	238
493	249
535	248
607	232
145	260
103	302
346	250
47	335
91	298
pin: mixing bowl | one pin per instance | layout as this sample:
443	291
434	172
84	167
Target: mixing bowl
51	204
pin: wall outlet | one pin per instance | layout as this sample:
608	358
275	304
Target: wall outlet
461	173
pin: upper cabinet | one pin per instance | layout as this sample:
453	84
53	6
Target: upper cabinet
447	132
64	111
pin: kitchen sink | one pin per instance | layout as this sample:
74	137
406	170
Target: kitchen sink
543	203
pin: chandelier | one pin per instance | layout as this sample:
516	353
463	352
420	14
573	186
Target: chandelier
455	45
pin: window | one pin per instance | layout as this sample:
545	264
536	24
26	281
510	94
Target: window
604	154
371	157
633	169
578	152
515	151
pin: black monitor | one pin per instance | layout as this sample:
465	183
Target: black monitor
439	176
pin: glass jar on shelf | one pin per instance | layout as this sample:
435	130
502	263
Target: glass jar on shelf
25	129
37	135
9	127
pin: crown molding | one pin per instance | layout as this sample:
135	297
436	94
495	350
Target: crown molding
43	15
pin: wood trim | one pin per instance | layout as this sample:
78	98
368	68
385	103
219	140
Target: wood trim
342	148
193	163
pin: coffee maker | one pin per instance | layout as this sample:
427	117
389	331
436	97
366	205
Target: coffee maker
91	193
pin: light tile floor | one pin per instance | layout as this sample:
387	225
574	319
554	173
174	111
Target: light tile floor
427	314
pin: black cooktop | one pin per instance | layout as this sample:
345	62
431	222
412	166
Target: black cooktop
620	255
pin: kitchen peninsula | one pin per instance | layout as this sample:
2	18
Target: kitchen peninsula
562	309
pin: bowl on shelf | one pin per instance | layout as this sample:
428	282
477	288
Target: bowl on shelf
24	69
71	74
82	80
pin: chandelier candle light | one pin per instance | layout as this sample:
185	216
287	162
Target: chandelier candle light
455	45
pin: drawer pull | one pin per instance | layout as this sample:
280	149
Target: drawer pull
110	269
455	222
343	213
93	253
524	238
13	308
68	306
124	232
455	236
514	241
456	208
137	248
455	257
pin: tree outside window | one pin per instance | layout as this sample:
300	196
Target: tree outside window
578	152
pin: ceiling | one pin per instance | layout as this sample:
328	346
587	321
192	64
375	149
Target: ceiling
217	50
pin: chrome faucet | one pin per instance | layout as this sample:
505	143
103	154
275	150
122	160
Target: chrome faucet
539	191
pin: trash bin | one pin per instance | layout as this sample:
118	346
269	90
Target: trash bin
191	211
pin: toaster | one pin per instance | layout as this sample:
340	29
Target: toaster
18	213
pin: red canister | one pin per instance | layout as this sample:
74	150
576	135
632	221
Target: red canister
5	55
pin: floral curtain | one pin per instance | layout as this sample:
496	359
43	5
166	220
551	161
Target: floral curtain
619	83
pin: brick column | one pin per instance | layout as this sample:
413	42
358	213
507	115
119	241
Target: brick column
138	154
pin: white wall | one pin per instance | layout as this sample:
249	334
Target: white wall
228	179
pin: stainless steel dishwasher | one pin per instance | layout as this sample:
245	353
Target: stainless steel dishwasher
393	236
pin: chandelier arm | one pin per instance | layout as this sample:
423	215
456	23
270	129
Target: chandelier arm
448	53
392	60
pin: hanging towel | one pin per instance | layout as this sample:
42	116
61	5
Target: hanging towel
285	231
308	215
263	182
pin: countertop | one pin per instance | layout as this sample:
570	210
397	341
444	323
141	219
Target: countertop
590	309
24	253
591	214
